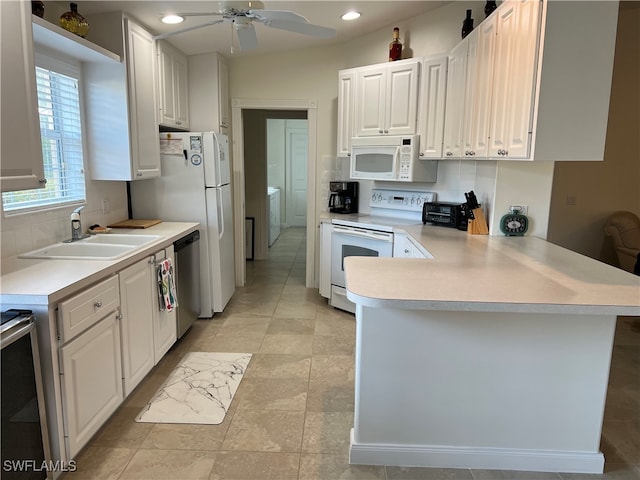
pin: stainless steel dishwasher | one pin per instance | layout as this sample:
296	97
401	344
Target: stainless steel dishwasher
187	251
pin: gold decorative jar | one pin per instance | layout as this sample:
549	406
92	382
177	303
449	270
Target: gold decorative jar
73	22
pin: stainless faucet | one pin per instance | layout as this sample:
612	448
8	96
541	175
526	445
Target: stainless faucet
76	226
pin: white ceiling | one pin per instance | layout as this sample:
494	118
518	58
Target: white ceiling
376	14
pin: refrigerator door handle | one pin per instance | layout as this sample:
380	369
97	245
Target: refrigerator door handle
220	212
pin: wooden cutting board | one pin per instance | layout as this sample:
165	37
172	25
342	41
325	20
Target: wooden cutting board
135	223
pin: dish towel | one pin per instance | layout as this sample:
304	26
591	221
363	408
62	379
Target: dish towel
167	298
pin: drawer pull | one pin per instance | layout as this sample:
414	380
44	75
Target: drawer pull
97	304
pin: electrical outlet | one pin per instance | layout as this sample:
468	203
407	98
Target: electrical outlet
106	208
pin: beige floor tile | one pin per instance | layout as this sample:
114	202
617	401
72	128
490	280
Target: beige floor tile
257	323
255	466
265	431
295	310
289	394
330	321
281	343
332	369
236	341
291	326
627	331
169	465
333	345
175	436
513	475
333	467
412	473
625	437
274	365
612	471
330	398
122	430
101	463
327	432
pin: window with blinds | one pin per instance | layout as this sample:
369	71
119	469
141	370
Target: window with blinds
61	132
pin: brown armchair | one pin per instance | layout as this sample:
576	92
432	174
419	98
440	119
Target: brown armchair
624	230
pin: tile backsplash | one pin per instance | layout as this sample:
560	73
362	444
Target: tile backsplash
21	233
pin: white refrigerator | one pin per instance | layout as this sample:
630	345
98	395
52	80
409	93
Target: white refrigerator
195	186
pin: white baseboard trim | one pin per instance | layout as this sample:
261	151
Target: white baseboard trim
442	456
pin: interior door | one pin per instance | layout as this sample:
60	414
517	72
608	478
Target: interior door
297	139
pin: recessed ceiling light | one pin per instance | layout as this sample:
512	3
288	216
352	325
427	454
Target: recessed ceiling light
352	15
172	19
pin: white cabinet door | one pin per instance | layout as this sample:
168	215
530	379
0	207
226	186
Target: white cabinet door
432	100
454	109
370	101
325	259
223	93
346	94
91	381
173	100
21	165
387	99
515	73
401	106
165	330
145	147
137	308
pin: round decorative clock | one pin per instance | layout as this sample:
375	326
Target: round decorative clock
513	223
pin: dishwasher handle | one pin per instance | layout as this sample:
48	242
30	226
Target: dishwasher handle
186	241
357	232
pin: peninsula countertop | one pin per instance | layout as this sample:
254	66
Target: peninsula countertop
491	274
46	281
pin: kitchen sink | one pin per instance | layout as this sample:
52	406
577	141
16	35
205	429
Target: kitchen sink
120	239
98	247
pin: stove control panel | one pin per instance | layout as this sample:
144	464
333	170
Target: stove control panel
408	201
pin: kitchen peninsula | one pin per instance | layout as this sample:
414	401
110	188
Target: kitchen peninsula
494	354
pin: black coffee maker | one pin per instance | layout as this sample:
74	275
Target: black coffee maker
343	197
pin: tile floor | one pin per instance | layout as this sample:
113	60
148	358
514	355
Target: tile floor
291	416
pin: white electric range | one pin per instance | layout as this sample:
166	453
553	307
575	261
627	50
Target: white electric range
371	234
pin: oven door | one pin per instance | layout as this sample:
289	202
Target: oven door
359	242
378	162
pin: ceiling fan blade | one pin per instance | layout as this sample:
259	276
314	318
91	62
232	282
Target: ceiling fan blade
300	27
265	15
188	29
247	38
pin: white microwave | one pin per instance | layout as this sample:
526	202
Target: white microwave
390	158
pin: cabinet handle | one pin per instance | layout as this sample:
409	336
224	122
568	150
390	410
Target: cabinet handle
505	152
380	131
139	174
42	181
472	153
466	153
449	154
97	304
386	131
119	316
406	250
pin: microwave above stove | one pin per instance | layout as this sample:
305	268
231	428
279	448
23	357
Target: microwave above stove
390	158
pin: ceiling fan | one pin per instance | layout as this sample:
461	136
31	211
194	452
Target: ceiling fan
242	15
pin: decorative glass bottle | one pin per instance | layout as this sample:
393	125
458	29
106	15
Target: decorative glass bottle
467	24
37	8
395	47
489	7
73	22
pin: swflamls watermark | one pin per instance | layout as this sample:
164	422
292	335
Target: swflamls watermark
39	466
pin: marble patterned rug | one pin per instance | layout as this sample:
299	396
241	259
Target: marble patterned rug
199	390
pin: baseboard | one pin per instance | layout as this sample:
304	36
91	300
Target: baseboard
441	456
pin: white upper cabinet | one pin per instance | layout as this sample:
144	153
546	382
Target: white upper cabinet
173	84
21	165
346	94
432	102
455	100
516	52
209	104
120	102
387	99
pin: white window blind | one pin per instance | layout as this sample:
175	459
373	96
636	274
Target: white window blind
61	131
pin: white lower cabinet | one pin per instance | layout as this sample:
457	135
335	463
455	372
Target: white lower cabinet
405	247
325	259
165	328
137	323
91	381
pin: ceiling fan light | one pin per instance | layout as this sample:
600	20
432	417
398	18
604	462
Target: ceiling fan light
351	15
172	19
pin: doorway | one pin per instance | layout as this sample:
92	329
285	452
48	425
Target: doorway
250	168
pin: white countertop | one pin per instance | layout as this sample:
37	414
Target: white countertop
46	281
491	274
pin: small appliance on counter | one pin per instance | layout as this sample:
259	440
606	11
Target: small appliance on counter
343	197
445	214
